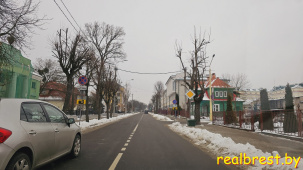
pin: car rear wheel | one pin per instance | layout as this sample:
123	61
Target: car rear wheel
19	162
76	146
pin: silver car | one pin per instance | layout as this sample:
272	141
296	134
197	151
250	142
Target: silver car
34	132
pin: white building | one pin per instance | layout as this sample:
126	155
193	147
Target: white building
175	85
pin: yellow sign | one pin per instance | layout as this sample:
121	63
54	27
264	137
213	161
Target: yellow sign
190	94
81	101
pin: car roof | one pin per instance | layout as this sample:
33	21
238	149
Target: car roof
11	106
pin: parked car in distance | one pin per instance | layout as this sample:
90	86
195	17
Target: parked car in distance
34	132
145	111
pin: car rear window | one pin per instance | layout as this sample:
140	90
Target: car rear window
32	112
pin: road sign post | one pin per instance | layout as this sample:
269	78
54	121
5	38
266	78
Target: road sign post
190	94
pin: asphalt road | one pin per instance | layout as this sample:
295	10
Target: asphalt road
138	142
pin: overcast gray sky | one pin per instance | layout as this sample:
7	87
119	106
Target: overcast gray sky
261	38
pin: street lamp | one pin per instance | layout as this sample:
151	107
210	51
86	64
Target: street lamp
210	92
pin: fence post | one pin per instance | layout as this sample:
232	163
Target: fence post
240	119
224	118
299	119
252	121
261	120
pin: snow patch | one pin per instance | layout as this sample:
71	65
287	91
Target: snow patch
160	117
95	122
225	146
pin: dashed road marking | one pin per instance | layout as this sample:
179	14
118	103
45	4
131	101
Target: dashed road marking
115	163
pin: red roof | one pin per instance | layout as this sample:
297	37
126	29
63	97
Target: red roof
216	82
54	89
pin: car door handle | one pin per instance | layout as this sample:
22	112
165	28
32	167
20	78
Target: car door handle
32	132
56	130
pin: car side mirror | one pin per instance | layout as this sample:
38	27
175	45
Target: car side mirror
70	121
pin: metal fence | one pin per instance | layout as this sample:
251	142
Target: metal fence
284	122
182	113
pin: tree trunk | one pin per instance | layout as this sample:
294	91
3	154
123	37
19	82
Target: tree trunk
112	109
197	112
73	99
107	110
68	94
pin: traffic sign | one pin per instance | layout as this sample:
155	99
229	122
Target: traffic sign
174	101
190	94
82	80
81	101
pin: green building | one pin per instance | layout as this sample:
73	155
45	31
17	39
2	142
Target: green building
220	90
17	79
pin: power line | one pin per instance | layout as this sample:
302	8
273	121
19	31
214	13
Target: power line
72	16
134	72
65	16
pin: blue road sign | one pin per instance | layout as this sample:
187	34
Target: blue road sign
82	80
174	101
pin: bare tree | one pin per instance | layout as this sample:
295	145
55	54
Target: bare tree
153	102
111	88
194	78
91	66
16	26
159	88
107	41
71	55
114	89
139	105
239	80
49	70
18	21
126	96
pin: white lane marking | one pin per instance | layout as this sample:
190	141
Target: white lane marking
115	163
130	138
136	128
128	141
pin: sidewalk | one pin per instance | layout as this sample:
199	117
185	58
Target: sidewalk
266	143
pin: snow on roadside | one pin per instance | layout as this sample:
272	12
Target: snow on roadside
223	146
95	122
160	117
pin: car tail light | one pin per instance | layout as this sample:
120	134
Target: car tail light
4	134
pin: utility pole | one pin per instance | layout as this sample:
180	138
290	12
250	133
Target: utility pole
132	103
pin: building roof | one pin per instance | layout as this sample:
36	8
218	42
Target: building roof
216	82
55	90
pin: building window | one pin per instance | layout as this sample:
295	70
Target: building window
217	94
216	108
221	93
225	94
33	85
